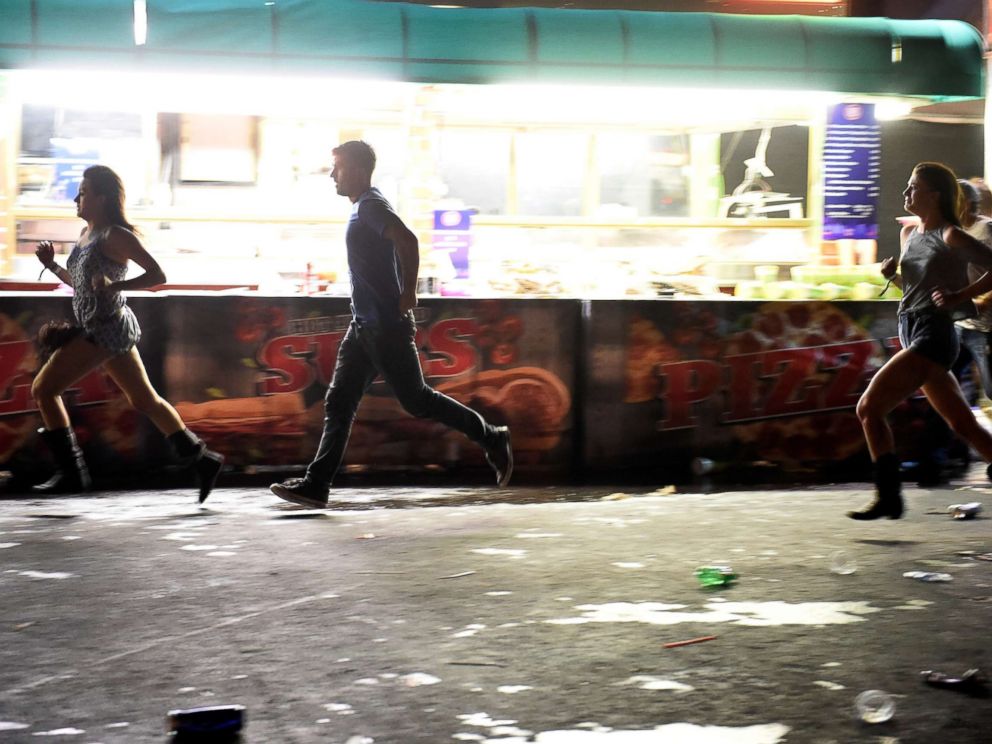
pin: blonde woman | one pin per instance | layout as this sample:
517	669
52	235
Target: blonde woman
108	335
933	274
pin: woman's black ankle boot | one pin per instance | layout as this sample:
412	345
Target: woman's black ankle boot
206	463
72	475
888	491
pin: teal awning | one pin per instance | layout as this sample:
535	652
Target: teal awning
400	41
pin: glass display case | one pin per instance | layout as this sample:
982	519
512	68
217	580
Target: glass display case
591	192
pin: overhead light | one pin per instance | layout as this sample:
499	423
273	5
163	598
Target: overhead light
269	95
888	110
140	22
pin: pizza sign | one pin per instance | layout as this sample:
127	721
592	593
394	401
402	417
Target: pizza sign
781	360
769	384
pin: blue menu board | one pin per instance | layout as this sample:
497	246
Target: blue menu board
851	162
70	162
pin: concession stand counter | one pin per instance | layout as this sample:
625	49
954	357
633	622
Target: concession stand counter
645	237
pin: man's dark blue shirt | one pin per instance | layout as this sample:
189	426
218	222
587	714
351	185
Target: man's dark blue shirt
376	281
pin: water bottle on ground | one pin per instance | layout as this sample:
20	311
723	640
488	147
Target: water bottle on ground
715	575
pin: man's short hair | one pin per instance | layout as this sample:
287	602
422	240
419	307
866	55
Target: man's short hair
358	152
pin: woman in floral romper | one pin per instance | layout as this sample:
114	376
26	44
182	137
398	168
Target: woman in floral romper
109	333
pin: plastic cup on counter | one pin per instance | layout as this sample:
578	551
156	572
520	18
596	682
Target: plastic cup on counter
766	273
866	250
864	291
830	292
801	291
748	289
776	290
845	251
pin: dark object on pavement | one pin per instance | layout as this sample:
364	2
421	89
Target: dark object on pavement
215	723
971	682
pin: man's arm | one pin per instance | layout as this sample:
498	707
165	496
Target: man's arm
407	249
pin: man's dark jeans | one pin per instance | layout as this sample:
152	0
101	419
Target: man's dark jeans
390	350
974	347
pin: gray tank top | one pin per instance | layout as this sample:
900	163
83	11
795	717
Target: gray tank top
928	263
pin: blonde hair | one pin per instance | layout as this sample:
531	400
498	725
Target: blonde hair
942	180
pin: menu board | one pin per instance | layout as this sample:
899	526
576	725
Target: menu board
851	163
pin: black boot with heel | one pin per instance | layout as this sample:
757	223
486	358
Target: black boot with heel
206	463
888	491
72	475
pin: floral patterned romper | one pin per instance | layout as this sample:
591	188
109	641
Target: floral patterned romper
105	317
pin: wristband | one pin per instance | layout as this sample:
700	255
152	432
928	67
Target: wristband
53	267
888	284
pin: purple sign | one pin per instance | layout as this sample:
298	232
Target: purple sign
452	233
851	164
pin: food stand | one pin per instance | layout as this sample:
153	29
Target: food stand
601	174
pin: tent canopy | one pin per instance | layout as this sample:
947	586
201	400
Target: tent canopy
400	41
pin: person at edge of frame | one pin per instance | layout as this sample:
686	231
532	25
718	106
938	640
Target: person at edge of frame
951	455
933	274
383	261
105	335
975	334
984	195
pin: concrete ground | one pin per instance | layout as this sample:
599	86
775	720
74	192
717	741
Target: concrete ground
527	615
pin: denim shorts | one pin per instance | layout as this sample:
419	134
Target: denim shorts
930	333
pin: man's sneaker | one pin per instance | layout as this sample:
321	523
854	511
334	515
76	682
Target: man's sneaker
301	491
499	455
